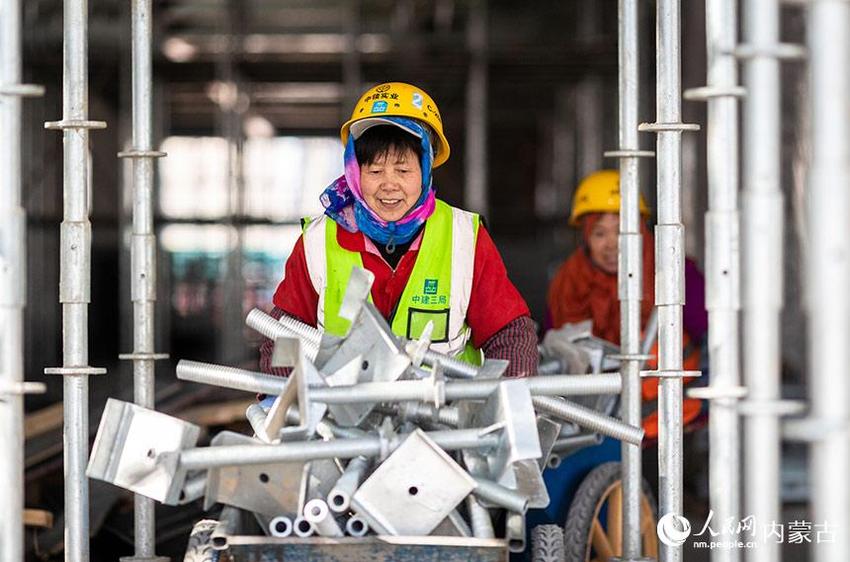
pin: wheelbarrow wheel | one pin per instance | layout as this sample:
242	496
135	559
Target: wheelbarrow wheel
199	548
593	531
547	543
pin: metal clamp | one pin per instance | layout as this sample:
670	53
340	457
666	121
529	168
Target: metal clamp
705	93
629	153
75	371
781	51
717	392
74	124
670	374
20	388
812	429
134	153
22	90
630	357
143	356
667	127
777	408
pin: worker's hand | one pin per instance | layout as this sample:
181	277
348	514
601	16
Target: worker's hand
560	344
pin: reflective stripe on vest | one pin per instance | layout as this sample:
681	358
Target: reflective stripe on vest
438	289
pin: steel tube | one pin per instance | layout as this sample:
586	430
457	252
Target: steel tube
762	269
316	512
12	289
280	526
723	267
143	249
476	192
630	270
239	455
482	524
303	528
588	418
356	526
339	498
515	532
828	270
501	496
251	381
228	524
75	276
669	260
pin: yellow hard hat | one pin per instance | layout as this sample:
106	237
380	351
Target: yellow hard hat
600	193
400	100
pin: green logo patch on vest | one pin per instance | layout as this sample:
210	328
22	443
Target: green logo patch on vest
430	287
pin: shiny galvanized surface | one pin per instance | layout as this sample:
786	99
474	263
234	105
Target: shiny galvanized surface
366	549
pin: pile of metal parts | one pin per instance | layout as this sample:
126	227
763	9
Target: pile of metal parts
369	432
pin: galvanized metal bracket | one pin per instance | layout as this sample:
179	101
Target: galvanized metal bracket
137	153
781	51
270	489
670	374
629	153
74	371
78	124
775	408
705	93
668	127
138	449
21	388
403	497
140	356
22	90
296	393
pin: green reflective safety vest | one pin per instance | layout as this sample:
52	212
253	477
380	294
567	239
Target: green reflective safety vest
437	291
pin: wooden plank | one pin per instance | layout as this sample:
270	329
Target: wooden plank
38	518
43	421
219	413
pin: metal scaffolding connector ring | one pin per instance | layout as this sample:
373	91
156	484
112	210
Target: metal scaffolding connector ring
19	388
143	356
781	51
808	430
777	408
74	371
74	124
22	90
142	154
717	392
670	374
629	153
668	127
705	93
631	357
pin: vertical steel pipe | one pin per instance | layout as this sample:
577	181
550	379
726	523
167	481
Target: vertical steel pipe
762	271
143	249
475	157
630	270
828	279
75	276
722	266
669	261
12	284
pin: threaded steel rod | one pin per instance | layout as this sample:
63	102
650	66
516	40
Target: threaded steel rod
588	418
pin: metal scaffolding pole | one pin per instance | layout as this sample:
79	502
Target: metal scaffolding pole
722	266
12	285
669	263
475	157
630	271
828	270
762	228
75	276
143	253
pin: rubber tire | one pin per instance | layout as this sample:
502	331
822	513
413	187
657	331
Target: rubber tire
583	508
200	547
547	543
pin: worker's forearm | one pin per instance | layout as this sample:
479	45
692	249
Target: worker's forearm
517	343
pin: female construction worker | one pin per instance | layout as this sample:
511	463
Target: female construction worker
432	262
585	286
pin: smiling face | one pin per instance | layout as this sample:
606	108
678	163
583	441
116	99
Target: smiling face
392	183
602	242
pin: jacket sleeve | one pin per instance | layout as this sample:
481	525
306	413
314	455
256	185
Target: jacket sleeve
295	294
494	301
516	342
266	349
